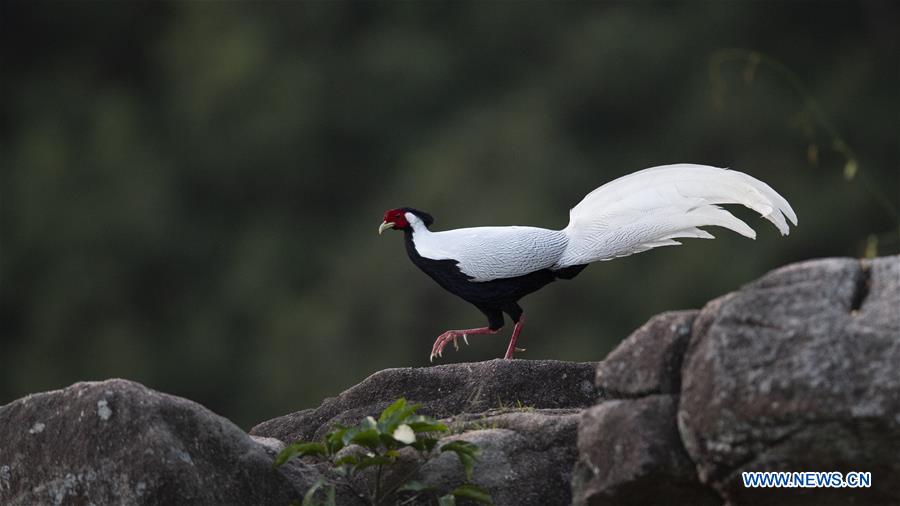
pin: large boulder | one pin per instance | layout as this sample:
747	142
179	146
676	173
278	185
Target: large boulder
522	414
446	391
649	360
631	454
526	458
118	442
630	451
798	371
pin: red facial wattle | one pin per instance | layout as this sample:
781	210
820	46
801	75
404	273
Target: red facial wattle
397	217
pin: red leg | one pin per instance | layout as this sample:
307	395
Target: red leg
453	335
515	335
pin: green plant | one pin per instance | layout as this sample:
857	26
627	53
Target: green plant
380	443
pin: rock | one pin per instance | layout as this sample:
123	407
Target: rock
527	456
649	361
272	446
631	453
878	295
445	391
118	442
523	414
798	371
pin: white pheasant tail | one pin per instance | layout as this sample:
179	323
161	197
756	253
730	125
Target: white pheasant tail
656	206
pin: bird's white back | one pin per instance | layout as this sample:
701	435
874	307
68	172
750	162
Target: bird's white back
488	253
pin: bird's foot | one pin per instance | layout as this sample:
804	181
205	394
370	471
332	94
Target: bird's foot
515	335
440	343
453	336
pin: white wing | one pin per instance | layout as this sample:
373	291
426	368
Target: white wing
653	207
487	253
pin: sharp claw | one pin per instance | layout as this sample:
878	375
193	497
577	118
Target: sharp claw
466	339
520	349
455	343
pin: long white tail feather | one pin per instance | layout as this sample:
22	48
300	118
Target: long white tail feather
655	206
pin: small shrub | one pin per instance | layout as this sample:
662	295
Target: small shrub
397	427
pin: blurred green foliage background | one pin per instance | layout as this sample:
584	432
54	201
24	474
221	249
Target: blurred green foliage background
191	190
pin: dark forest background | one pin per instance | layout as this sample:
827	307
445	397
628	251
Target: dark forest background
191	190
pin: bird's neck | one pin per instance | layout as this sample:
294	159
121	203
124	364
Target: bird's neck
418	229
416	234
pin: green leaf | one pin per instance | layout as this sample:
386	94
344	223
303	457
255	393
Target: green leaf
368	423
389	442
871	246
377	460
395	414
418	427
473	492
421	423
299	450
466	452
311	494
335	439
351	460
414	486
447	500
393	408
468	463
850	169
348	435
461	446
368	438
425	444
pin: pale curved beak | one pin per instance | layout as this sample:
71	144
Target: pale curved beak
384	226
